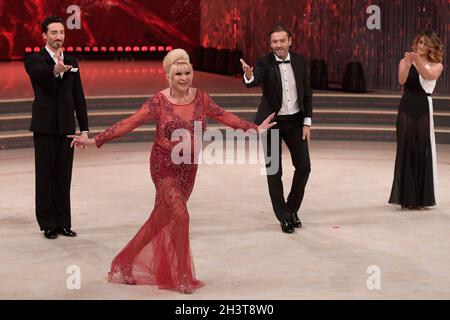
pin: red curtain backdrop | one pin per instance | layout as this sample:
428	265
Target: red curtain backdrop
333	30
103	22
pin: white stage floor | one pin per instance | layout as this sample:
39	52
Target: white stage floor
239	250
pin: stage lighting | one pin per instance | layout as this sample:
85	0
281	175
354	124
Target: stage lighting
107	52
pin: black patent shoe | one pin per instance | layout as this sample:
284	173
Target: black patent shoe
296	221
286	226
66	232
50	234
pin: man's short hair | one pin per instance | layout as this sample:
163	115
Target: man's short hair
49	20
280	28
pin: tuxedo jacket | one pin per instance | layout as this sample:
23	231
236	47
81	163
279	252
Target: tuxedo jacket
267	75
56	100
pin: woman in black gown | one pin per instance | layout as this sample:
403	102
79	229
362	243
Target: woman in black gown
415	177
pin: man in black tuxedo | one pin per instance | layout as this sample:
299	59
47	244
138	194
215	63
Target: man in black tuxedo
58	95
284	78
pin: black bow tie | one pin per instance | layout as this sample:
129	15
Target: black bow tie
284	61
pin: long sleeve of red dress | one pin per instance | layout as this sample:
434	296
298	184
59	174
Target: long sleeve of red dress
148	112
225	117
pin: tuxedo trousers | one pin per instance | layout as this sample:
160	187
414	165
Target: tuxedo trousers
289	128
53	174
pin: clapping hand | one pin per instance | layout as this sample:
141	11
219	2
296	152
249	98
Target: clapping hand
408	58
414	56
411	57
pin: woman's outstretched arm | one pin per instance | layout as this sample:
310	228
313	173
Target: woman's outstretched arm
148	112
232	120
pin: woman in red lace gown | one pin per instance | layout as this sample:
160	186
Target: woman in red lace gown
159	253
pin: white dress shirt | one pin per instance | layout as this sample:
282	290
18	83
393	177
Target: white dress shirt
289	104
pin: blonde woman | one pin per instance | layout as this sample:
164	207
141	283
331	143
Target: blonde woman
415	176
159	254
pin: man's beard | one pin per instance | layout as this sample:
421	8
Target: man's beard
57	45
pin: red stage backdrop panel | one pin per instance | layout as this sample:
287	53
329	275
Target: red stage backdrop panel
333	30
103	22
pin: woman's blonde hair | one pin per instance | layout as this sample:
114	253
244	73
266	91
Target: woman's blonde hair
173	60
434	44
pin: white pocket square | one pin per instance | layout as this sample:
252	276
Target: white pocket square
74	70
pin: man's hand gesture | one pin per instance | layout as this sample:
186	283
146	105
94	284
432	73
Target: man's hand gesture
247	70
60	66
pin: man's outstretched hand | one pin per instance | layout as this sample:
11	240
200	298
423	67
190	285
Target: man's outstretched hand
81	140
60	66
248	71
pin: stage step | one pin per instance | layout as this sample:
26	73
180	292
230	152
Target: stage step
107	117
337	101
338	117
24	139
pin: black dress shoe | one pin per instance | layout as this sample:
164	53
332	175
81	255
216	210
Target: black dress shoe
296	221
286	226
50	234
66	232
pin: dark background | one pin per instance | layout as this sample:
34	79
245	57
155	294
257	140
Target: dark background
333	30
103	23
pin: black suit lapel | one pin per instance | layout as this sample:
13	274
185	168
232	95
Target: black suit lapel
47	57
276	70
50	61
298	73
